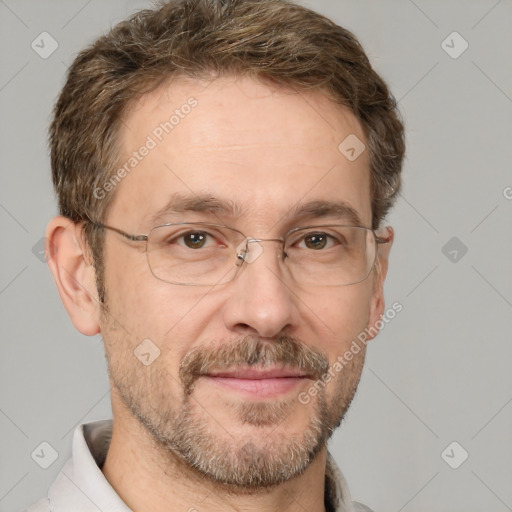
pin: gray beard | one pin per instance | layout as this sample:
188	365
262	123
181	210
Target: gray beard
240	465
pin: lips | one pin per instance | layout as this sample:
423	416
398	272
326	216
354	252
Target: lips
259	374
258	383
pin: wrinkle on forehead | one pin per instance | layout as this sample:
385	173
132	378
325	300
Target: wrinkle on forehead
225	118
265	148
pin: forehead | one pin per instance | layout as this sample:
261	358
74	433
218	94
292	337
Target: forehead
262	149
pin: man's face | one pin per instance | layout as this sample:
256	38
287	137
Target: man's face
266	152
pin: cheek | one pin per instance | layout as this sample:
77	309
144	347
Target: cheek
344	312
347	316
342	316
144	308
142	304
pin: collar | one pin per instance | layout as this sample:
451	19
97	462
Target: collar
82	487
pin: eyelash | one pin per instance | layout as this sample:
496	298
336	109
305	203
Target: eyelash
301	239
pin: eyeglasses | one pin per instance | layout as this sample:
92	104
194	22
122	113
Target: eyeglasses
204	254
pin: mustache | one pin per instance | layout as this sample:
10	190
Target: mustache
250	351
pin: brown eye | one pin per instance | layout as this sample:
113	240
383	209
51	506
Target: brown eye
316	240
195	240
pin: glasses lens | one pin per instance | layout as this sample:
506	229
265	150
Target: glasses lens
331	255
206	254
193	254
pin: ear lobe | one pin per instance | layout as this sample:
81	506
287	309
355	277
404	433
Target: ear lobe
69	261
377	302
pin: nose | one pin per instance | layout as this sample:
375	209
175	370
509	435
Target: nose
261	300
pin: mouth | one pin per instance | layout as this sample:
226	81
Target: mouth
260	383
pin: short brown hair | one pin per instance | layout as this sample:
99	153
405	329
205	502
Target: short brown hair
274	41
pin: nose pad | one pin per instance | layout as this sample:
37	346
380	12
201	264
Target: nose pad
248	253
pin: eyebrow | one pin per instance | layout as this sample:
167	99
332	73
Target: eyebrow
323	208
316	209
180	203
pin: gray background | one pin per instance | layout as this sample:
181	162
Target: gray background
438	373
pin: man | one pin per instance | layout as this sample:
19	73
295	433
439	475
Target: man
223	170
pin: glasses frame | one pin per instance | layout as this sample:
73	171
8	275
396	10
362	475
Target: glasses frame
240	256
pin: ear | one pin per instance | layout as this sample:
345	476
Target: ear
381	269
68	257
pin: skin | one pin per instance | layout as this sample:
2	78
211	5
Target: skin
266	150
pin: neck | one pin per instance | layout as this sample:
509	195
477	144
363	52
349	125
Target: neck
149	477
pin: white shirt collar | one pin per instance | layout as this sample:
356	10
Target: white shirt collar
82	487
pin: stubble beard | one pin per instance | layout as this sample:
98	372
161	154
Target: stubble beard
240	464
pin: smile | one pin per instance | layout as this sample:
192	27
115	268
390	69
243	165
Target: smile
266	383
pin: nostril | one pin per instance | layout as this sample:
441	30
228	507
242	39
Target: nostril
246	329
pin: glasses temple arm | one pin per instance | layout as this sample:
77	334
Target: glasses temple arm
382	240
133	238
